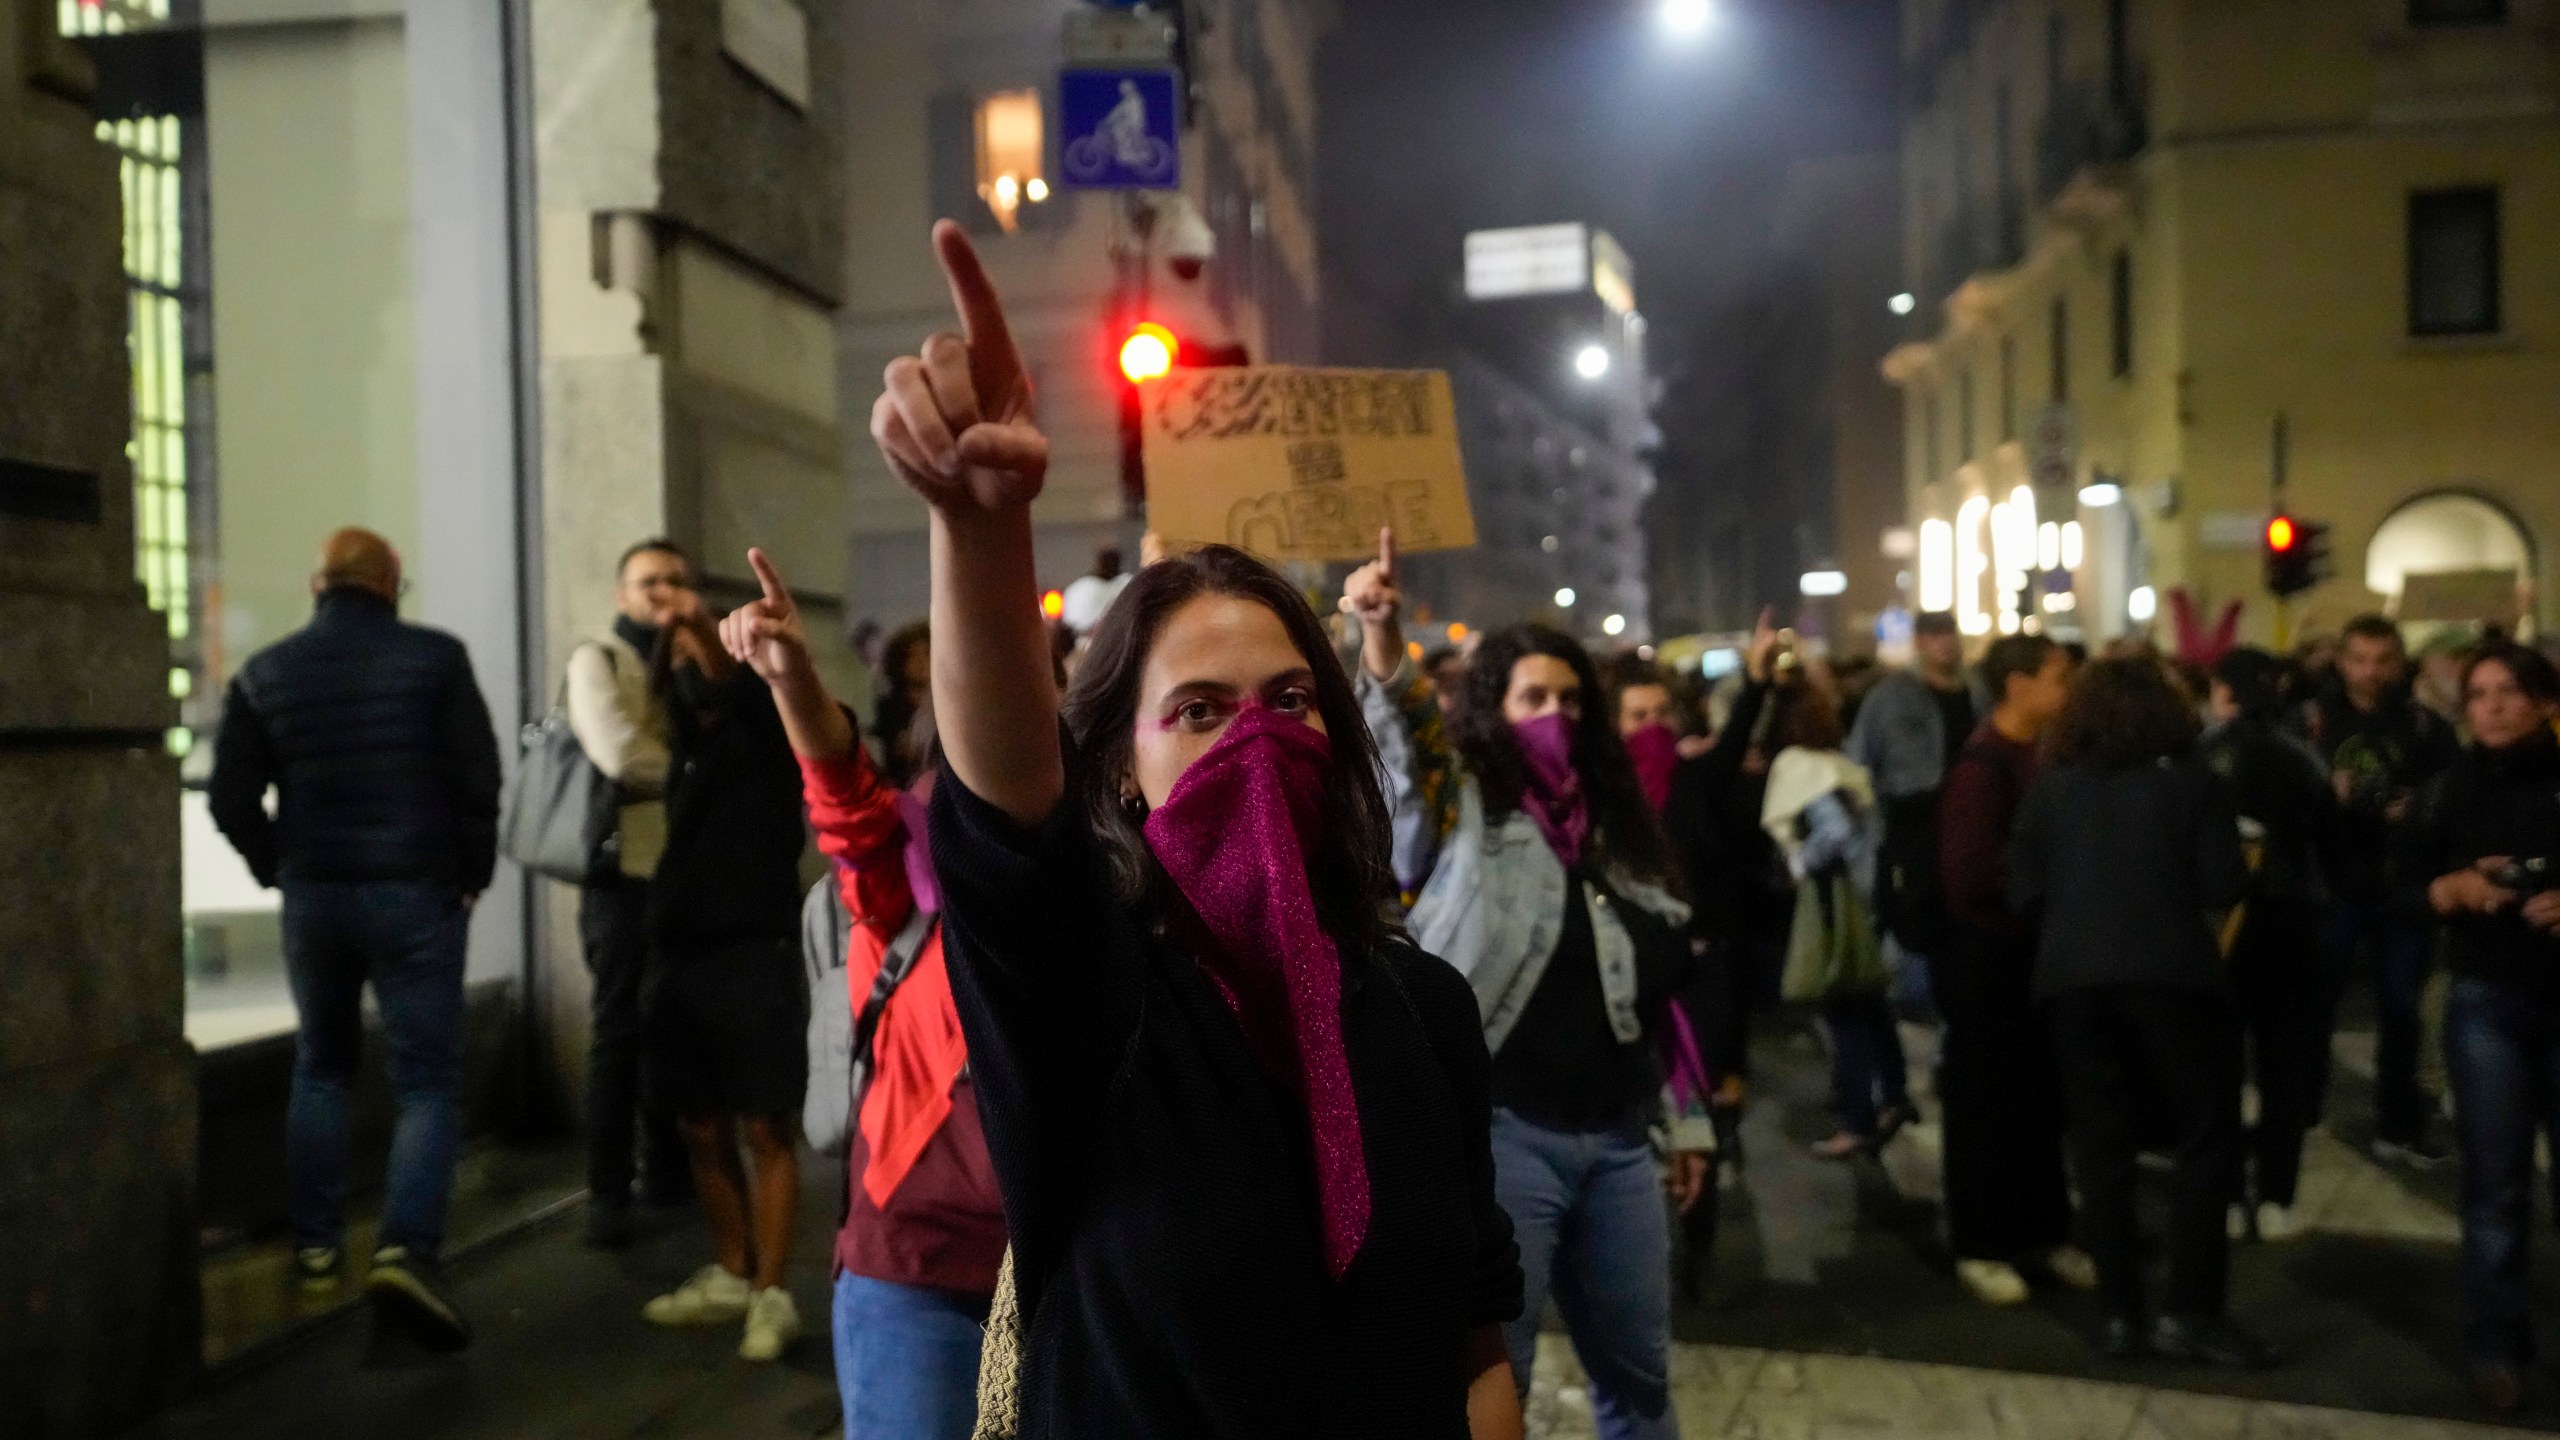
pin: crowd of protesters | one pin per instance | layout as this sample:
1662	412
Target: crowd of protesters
1234	1020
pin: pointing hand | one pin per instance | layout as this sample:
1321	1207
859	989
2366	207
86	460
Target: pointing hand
765	634
955	421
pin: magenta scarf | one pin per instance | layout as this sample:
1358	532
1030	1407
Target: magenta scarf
1554	798
1238	835
1655	749
912	803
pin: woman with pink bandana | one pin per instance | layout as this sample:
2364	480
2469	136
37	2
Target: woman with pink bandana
1239	1120
1545	879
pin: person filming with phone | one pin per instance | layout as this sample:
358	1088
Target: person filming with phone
2482	845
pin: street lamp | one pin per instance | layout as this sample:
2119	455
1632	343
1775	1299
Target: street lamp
1903	304
1820	584
1615	625
1591	361
1686	19
1564	598
2101	494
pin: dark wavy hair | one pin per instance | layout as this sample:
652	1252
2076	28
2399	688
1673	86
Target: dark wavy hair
1622	823
2532	670
1354	878
2122	713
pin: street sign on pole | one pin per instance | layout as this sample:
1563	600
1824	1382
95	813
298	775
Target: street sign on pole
1121	130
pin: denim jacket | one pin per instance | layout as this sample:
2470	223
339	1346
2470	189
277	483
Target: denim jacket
1901	735
1490	898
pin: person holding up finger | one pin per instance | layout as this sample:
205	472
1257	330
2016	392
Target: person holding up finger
2484	838
923	1233
1240	1121
1544	877
726	1007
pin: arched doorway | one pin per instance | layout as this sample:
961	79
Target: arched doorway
2449	531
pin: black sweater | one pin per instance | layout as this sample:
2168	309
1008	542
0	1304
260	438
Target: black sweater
2124	867
731	871
1160	1185
2491	802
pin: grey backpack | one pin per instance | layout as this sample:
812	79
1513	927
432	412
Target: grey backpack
558	818
840	1039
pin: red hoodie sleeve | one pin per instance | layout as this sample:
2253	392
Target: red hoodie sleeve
855	815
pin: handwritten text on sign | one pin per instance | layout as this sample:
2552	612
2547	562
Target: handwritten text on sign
1301	464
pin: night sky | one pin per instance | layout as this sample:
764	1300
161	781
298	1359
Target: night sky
1444	116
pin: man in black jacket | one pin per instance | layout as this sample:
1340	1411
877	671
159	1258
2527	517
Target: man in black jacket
2381	745
376	741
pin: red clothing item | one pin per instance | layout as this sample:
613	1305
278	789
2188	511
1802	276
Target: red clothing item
1975	814
925	1209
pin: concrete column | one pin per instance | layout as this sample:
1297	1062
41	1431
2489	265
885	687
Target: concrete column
97	1083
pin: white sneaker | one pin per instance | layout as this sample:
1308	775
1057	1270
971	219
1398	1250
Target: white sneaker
1993	1283
2073	1266
2278	1223
773	1322
2235	1222
712	1297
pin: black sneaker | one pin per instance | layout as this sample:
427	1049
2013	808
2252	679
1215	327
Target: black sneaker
2209	1342
319	1269
608	1225
409	1289
2120	1338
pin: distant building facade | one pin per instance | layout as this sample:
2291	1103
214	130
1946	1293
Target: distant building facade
2140	231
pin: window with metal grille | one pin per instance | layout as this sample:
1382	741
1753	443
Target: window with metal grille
2453	262
2457	12
2120	303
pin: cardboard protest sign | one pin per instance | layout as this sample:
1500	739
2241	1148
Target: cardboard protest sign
2484	596
1305	464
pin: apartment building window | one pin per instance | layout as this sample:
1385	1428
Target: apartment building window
2453	262
2008	388
2058	351
2120	303
2457	12
989	160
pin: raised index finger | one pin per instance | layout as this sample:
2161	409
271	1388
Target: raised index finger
1387	553
775	592
994	365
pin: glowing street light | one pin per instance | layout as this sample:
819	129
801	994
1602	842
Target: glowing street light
1613	626
1591	361
2101	495
1564	598
1822	583
2142	604
1687	19
1903	304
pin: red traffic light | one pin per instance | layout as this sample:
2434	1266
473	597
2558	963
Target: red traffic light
1148	353
2281	534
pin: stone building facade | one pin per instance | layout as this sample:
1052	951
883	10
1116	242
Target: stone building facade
2141	231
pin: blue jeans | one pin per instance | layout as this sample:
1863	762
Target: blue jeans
2503	1053
408	940
1867	1067
2399	987
907	1359
1588	1212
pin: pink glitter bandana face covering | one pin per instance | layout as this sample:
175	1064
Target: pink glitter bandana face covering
1236	835
913	803
1554	799
1655	749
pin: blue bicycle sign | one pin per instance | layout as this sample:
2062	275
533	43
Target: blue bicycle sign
1121	128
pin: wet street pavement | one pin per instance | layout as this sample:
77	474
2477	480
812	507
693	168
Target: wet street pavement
1831	1310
